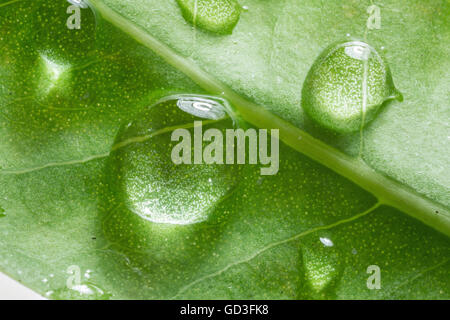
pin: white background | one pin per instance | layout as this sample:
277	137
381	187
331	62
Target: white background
13	290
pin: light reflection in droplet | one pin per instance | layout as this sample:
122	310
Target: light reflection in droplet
358	51
205	107
79	3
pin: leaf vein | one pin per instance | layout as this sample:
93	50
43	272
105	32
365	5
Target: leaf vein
273	245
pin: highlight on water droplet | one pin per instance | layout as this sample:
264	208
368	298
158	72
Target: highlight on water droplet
326	242
347	86
202	107
79	3
142	170
218	16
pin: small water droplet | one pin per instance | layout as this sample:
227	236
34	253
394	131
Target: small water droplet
2	213
354	251
245	8
321	267
326	242
218	16
346	87
348	34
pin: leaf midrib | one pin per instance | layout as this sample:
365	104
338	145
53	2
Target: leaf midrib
388	191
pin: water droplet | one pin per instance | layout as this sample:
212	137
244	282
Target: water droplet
354	251
245	8
321	268
218	16
346	87
2	213
159	164
326	242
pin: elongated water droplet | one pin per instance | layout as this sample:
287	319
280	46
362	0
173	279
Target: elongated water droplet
159	164
346	87
218	16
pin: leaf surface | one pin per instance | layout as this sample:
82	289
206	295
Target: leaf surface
306	232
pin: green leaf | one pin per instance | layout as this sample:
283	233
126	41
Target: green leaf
311	231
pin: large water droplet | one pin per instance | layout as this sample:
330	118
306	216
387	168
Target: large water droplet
170	182
346	87
218	16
